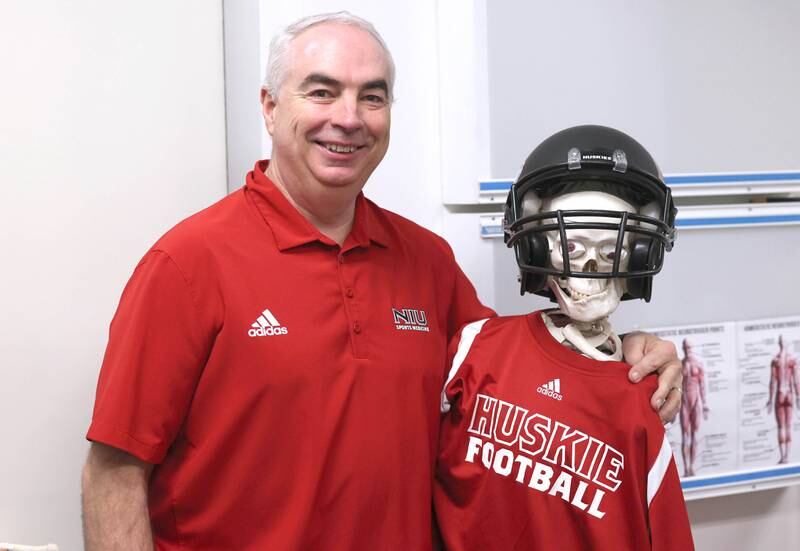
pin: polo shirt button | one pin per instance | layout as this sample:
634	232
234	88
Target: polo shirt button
357	327
341	259
349	293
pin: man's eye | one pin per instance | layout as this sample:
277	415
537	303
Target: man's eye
374	98
320	94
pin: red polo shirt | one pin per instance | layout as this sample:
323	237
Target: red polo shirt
287	388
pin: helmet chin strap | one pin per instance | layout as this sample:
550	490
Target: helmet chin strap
588	338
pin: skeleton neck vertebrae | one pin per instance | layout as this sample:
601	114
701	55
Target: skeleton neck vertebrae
595	339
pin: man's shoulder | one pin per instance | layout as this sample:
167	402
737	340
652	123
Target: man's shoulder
405	230
197	240
206	228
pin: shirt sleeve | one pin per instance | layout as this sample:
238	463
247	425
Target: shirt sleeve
158	344
670	529
465	307
460	345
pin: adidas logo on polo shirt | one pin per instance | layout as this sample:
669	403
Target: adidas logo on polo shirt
266	326
551	389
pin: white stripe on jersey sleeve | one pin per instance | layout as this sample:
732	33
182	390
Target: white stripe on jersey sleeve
468	335
658	470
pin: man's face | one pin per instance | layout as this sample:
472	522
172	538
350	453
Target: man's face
330	121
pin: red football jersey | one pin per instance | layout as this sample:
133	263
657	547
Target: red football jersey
542	448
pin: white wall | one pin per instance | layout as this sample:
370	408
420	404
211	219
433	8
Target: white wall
748	522
111	130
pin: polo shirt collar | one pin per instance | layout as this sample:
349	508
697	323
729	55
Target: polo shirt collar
291	229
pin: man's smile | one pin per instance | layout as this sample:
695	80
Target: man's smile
339	149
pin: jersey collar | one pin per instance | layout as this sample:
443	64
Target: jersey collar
291	229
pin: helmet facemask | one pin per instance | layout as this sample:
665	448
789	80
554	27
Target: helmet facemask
588	251
590	220
628	200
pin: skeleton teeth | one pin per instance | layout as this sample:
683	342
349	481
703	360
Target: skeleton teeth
340	148
577	296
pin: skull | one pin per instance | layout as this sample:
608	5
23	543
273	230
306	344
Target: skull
589	250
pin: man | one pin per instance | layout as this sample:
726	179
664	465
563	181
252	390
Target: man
784	382
273	370
693	404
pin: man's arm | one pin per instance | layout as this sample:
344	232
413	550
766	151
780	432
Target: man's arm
648	354
114	499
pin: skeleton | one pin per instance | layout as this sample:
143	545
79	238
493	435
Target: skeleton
581	321
590	200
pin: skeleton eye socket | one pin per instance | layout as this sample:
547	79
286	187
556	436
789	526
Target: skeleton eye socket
575	249
608	252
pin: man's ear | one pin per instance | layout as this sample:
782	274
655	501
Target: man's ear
268	109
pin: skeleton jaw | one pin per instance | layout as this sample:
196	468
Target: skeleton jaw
585	299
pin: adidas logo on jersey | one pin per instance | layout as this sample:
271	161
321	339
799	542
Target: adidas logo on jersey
551	389
266	326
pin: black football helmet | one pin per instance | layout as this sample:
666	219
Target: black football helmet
591	158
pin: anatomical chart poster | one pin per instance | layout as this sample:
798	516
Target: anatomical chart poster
704	437
769	392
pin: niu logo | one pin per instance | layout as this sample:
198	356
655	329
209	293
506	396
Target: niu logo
408	319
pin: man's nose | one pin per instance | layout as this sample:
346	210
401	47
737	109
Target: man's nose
346	114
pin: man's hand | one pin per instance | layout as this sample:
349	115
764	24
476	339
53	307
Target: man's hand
647	354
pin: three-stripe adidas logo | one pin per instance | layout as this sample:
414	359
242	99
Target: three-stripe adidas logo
266	326
551	389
